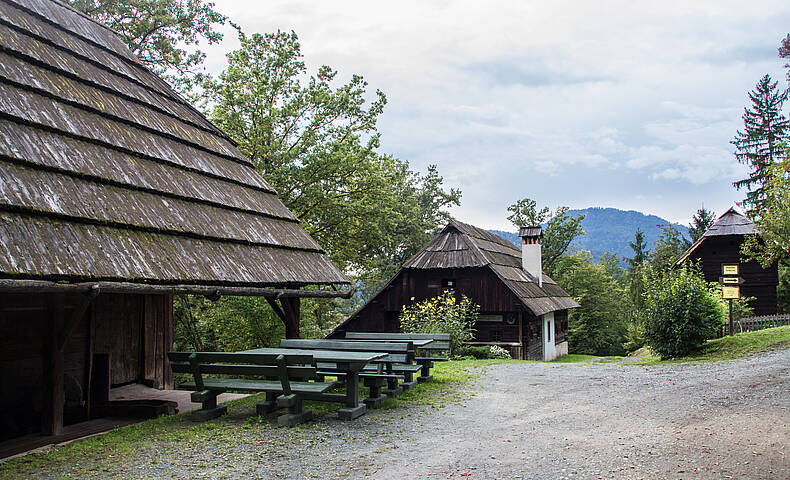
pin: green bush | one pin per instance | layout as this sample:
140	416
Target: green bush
472	351
681	311
442	314
480	352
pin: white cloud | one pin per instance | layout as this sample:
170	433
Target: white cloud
619	103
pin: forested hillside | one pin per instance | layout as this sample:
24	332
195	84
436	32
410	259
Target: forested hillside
611	230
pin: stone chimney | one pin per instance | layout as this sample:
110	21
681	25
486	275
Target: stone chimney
530	252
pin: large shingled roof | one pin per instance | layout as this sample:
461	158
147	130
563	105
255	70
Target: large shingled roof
460	245
729	223
107	174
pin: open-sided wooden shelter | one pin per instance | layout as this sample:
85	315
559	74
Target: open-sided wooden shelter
116	194
721	245
521	308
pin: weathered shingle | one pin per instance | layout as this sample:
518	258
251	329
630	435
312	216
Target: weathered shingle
460	245
729	223
107	174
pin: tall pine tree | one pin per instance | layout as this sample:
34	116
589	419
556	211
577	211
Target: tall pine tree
700	223
757	145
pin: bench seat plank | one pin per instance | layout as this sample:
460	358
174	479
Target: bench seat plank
247	385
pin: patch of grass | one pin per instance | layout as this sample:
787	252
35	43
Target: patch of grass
727	348
580	358
575	358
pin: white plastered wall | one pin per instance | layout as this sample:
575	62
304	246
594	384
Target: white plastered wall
549	351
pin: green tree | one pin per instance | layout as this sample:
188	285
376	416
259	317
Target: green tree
681	311
612	264
639	246
316	144
636	267
700	223
525	213
668	248
560	231
772	245
163	34
758	145
784	52
599	326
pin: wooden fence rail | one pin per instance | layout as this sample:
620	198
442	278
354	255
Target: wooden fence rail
750	324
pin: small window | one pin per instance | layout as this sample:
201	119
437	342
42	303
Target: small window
448	283
496	336
548	330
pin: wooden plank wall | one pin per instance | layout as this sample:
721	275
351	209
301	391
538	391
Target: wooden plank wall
560	326
135	330
759	282
380	314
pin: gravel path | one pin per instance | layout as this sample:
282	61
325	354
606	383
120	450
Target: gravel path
528	421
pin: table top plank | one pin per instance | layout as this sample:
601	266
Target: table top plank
333	356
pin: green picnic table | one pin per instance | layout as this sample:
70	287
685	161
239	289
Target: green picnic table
431	342
349	363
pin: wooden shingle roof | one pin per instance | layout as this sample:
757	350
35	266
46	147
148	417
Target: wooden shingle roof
729	223
107	174
460	245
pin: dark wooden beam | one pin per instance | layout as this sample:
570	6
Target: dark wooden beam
76	317
276	307
212	292
289	312
52	365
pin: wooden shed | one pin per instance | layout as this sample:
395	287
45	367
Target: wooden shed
721	245
115	194
526	313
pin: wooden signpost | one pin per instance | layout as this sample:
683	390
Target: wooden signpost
730	282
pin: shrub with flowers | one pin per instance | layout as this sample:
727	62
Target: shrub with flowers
442	314
498	352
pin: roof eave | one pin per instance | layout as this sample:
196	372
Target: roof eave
211	291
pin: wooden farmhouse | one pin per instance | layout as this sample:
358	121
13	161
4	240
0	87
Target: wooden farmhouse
116	194
721	245
521	308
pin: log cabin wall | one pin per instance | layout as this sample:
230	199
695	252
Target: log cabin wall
135	330
380	314
759	282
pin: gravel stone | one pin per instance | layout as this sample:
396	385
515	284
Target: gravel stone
525	421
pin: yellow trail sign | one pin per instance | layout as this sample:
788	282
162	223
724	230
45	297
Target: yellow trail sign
730	292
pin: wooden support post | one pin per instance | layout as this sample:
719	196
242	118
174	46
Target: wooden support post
53	398
288	311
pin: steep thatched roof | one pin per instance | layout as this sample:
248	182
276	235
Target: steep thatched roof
460	245
729	223
107	174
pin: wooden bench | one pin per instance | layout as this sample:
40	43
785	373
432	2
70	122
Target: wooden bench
440	343
282	375
386	371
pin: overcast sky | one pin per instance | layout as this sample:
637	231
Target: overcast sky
626	104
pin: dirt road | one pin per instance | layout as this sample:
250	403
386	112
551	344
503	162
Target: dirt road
525	421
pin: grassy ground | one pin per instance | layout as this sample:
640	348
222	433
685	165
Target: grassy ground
727	348
450	385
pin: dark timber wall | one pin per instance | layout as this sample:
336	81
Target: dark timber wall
758	282
481	285
131	333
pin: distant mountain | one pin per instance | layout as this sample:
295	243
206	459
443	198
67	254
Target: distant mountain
611	230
